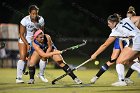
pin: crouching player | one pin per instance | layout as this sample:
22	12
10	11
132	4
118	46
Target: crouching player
42	48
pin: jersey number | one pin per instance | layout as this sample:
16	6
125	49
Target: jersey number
128	26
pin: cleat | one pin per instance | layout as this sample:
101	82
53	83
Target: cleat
119	83
42	78
77	81
94	79
19	80
31	81
128	81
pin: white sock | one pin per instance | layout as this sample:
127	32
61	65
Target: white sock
20	67
136	66
120	71
42	66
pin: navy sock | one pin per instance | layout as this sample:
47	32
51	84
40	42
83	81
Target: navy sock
32	72
67	69
129	72
102	70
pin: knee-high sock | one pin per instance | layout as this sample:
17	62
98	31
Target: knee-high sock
102	70
129	73
20	67
67	69
42	67
136	66
32	72
120	71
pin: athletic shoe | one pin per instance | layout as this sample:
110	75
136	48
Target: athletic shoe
94	79
119	83
128	81
77	81
19	80
42	78
31	81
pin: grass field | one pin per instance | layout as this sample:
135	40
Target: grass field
66	85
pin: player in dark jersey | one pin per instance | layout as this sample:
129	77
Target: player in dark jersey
42	47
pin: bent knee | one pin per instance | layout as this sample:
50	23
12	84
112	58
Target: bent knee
31	63
22	58
121	62
60	63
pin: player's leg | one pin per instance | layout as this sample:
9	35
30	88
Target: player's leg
127	55
42	66
59	60
129	73
127	76
21	62
106	66
120	68
31	64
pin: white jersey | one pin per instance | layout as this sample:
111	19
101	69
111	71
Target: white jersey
126	30
29	25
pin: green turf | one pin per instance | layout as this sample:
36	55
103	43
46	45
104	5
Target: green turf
66	85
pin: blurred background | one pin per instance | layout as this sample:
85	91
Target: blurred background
67	21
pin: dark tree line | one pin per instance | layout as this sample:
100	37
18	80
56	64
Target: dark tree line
69	18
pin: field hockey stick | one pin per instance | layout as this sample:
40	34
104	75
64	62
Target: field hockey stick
67	49
25	72
75	47
2	45
62	76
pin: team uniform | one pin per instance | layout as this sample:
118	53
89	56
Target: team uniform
117	45
126	30
26	21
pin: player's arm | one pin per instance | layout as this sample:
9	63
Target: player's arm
49	43
136	20
42	53
103	47
42	23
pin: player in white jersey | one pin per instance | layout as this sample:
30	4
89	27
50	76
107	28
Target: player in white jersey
118	46
136	21
123	29
132	33
27	24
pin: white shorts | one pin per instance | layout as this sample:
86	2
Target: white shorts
136	43
29	39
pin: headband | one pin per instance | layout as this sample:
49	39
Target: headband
37	33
